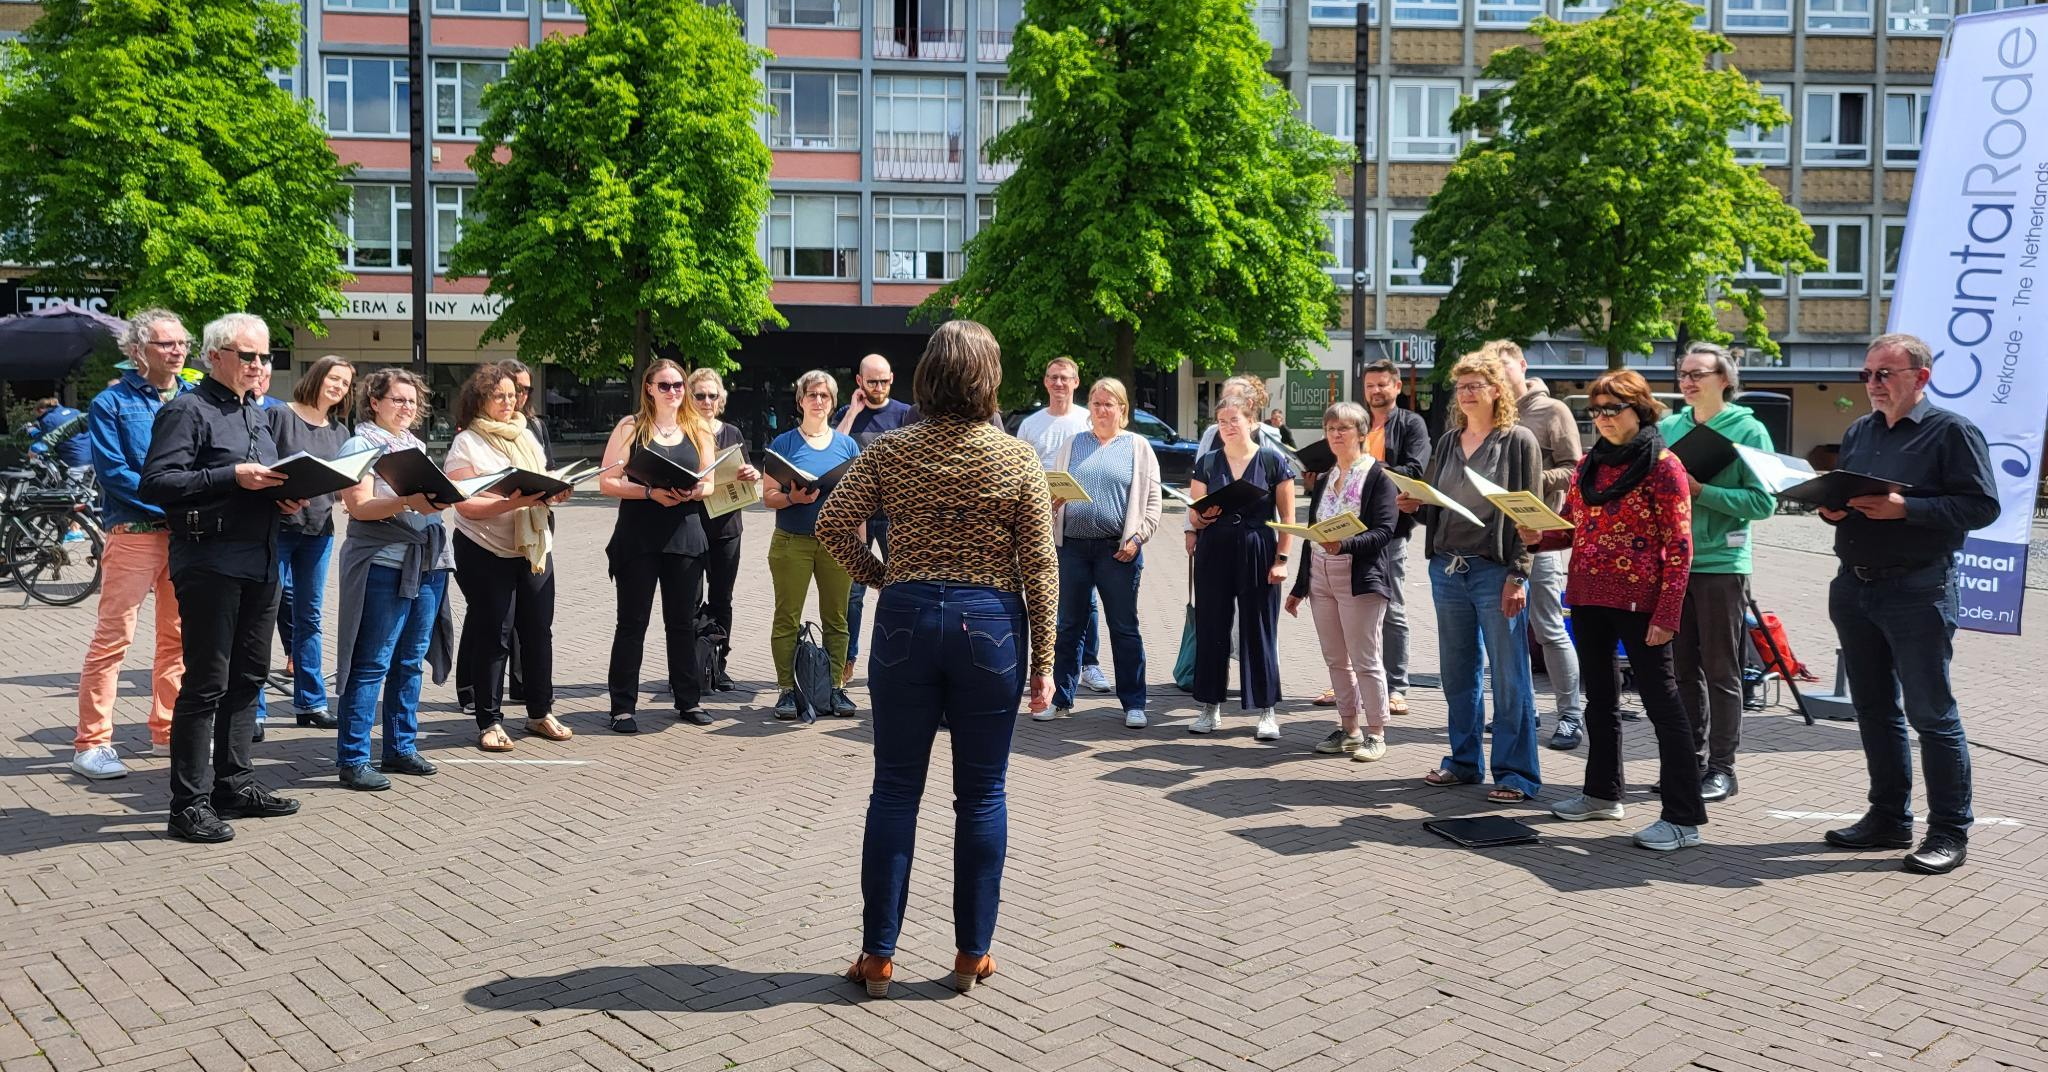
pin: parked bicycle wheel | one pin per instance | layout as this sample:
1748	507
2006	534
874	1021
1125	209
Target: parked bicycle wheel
55	554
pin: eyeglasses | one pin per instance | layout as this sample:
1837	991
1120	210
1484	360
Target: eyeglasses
1882	375
669	387
525	388
249	357
883	382
1609	411
170	344
1696	375
1472	390
401	403
706	396
818	396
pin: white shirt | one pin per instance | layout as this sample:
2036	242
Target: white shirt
1047	433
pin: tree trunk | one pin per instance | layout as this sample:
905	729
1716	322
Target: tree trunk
1615	358
643	345
1127	356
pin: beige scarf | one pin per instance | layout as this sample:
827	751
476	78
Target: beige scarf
511	439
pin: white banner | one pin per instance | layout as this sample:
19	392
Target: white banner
1971	274
379	305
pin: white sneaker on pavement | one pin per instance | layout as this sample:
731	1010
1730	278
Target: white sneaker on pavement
1269	726
1579	807
99	763
1370	750
1093	677
1209	721
1051	713
1134	719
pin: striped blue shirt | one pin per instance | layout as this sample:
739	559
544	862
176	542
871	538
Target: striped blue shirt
1105	471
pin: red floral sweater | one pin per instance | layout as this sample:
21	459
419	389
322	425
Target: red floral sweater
1634	553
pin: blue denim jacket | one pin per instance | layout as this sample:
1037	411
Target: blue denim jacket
119	422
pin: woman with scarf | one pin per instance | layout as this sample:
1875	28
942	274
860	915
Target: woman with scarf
658	541
1631	543
394	617
504	552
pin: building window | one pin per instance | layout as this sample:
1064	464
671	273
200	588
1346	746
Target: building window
560	9
814	236
1894	242
838	13
1928	17
1584	10
1905	124
920	29
459	95
996	28
480	7
365	5
1331	12
368	96
1971	7
1404	268
1836	130
1001	105
449	215
1757	16
1484	89
1420	126
917	239
1757	279
1428	12
1754	145
1508	12
984	211
1332	106
1337	243
378	226
1838	16
1841	243
814	110
284	78
918	123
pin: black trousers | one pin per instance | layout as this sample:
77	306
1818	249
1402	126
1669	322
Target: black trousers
1221	592
505	595
1595	630
721	572
228	623
681	580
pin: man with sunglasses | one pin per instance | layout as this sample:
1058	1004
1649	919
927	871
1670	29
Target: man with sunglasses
868	414
1894	601
208	469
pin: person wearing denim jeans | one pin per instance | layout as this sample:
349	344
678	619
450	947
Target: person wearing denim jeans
1894	603
309	423
1088	567
1467	595
971	579
388	665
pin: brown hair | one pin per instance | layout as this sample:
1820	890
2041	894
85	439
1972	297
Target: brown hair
377	386
307	391
695	428
513	367
1502	350
1628	387
1382	365
475	391
960	372
1486	366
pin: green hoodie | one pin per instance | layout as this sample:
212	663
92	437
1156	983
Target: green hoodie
1735	497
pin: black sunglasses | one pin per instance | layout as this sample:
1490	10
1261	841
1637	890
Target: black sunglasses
249	357
706	396
1882	375
668	387
1606	411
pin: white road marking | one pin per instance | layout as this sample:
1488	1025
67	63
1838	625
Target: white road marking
525	762
1852	816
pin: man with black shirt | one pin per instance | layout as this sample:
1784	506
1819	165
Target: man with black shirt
1398	440
208	468
1894	601
868	414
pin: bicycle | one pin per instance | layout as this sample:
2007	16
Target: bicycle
50	541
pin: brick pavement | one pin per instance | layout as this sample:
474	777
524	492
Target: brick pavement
683	899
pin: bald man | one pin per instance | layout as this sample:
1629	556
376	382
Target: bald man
865	417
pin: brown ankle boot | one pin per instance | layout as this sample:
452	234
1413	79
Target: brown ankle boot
873	971
968	971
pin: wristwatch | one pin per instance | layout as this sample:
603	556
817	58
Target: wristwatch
1282	556
1520	580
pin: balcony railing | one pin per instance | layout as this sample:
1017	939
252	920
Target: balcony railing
992	171
993	46
918	162
937	43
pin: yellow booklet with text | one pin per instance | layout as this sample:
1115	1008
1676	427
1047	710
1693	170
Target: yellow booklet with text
1064	487
1328	530
1524	508
728	491
1423	493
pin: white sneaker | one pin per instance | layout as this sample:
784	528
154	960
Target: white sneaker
1051	713
1370	750
1209	721
1339	743
1134	719
1579	807
1269	726
1093	677
1661	836
99	763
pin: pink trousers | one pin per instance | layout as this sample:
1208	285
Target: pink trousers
1349	628
136	565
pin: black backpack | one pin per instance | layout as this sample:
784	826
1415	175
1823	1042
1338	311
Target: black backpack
711	640
813	676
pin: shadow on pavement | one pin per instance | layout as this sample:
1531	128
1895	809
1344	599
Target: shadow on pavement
707	988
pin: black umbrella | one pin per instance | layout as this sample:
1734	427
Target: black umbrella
51	343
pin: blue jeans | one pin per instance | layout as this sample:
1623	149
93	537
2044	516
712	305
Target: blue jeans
857	596
1467	596
955	652
390	655
302	576
1088	567
1896	640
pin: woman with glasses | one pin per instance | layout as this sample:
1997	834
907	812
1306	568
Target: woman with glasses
504	561
722	566
1479	577
1240	563
394	616
1631	544
796	560
310	423
658	541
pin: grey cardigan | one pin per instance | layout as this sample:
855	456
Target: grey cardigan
1522	459
1141	516
425	541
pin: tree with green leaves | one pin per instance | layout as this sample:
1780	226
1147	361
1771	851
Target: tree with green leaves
144	150
1167	204
1604	198
623	213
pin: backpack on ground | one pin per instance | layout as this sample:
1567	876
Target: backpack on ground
710	654
812	675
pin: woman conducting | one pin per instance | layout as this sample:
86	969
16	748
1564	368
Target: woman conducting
1479	577
1349	583
1240	562
658	541
971	574
504	561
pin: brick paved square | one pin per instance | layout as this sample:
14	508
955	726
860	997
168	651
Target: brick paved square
683	899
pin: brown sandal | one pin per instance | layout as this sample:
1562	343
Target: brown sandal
874	972
494	740
549	728
1441	777
1505	795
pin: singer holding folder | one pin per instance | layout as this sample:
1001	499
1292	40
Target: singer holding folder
311	422
1240	563
796	559
658	541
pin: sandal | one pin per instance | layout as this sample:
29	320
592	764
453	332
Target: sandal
549	728
1397	704
1504	795
873	972
1327	699
1441	776
494	739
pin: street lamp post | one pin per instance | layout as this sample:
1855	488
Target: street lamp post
1361	118
422	255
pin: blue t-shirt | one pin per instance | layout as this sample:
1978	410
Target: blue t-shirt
1105	472
801	519
869	424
